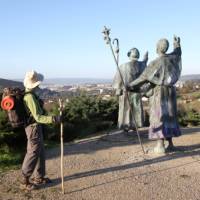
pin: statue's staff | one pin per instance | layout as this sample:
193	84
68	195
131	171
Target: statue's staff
116	49
107	38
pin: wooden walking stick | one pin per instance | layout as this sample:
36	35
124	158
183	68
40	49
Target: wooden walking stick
61	146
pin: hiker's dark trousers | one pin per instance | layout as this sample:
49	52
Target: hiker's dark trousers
34	161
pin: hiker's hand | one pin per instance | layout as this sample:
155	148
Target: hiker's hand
57	119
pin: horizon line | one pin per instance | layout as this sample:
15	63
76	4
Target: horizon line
45	78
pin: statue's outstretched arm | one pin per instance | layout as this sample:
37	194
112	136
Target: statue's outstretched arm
139	80
177	46
146	75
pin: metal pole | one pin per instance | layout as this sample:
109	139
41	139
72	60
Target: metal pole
61	147
106	33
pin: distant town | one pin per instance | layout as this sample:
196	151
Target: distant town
104	89
69	87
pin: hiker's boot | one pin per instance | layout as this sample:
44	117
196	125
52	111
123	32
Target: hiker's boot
160	147
42	180
26	185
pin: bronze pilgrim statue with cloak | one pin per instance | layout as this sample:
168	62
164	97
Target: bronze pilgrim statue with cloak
129	72
162	74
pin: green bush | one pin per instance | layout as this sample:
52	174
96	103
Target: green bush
188	116
89	108
84	115
3	120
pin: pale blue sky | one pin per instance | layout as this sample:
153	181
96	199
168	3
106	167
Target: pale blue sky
62	38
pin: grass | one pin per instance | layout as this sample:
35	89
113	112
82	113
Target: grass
12	159
51	144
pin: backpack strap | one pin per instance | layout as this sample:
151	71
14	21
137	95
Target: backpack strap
29	117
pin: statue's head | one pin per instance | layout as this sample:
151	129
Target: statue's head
133	54
162	46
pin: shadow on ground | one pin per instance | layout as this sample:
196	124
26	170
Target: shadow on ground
112	139
128	139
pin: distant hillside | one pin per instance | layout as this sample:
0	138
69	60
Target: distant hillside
9	83
72	81
190	77
44	93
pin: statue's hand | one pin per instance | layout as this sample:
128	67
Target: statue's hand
130	88
177	39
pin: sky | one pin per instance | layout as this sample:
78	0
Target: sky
62	38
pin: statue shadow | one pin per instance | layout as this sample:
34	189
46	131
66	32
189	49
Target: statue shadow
113	139
186	151
106	141
128	177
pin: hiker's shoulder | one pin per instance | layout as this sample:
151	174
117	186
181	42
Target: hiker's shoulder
29	95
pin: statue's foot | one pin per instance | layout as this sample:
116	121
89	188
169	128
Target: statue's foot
159	150
133	128
171	148
126	130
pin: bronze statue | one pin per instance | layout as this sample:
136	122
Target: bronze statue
130	71
162	74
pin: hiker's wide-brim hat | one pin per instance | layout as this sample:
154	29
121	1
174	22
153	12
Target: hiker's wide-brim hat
32	79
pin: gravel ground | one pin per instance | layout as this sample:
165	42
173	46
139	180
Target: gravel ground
112	167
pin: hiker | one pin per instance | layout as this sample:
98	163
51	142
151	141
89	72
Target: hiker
34	161
163	73
130	71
